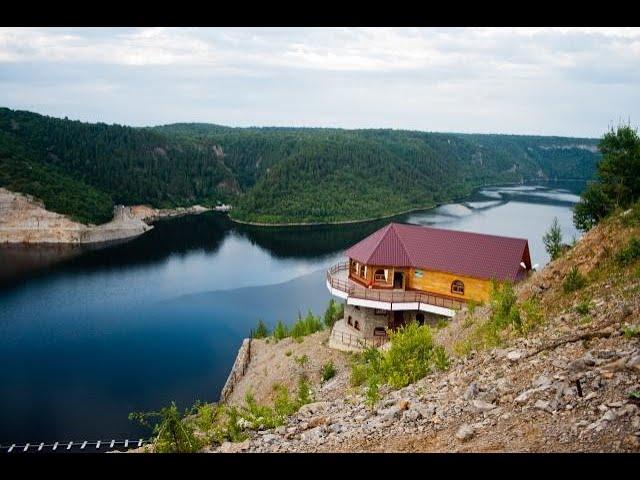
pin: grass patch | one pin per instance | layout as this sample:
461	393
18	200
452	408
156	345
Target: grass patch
573	281
630	253
302	360
583	307
328	371
631	331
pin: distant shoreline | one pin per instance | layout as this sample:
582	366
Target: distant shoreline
417	209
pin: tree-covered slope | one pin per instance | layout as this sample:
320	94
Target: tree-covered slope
320	175
272	174
127	165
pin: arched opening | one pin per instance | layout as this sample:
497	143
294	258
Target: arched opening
356	325
349	320
420	318
457	287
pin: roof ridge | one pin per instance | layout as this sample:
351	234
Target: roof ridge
466	232
385	231
399	237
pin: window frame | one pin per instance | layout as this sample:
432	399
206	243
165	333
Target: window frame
457	287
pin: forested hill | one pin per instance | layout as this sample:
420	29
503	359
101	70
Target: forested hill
270	175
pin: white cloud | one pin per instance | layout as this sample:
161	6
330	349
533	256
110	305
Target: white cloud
536	80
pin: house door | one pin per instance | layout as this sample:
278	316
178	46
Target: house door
398	319
398	280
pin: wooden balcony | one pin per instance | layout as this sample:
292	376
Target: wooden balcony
339	284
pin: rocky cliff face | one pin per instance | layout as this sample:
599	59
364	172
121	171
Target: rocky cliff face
23	219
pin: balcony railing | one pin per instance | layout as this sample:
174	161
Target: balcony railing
390	296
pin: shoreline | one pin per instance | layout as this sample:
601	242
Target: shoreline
383	217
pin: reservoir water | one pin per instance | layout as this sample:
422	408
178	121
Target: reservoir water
88	335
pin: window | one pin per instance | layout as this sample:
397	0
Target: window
420	318
356	325
379	276
362	271
379	332
349	320
380	312
457	287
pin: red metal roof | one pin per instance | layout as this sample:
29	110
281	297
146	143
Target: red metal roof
463	253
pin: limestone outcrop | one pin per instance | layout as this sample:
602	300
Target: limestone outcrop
24	219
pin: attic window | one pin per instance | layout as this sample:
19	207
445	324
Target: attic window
457	287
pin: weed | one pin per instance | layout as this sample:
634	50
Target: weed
328	371
573	281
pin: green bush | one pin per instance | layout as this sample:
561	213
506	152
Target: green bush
328	371
583	307
334	312
631	331
280	331
630	253
504	311
261	330
306	326
412	355
173	434
532	315
305	394
573	281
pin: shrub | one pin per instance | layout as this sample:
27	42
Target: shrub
261	330
630	253
631	331
280	331
412	355
573	281
288	353
532	315
372	393
304	392
583	307
328	371
504	311
306	326
302	360
334	312
552	240
471	306
172	433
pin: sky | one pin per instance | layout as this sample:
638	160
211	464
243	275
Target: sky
546	81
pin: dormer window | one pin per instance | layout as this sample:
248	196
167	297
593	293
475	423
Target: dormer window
457	287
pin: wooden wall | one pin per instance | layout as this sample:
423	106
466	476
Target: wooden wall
440	282
431	281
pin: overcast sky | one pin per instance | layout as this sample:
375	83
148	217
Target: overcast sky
564	81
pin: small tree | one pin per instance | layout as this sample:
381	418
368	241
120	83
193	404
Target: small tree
280	331
172	433
552	240
261	330
329	314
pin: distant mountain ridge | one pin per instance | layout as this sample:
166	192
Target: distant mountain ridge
269	174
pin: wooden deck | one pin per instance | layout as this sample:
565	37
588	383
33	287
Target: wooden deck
338	279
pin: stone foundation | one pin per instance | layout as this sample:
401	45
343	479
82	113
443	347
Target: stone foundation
357	328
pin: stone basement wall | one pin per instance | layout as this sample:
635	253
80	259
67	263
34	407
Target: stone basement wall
238	370
368	320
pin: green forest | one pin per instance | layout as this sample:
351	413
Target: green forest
268	174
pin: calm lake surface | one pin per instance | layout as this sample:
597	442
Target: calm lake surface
89	335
